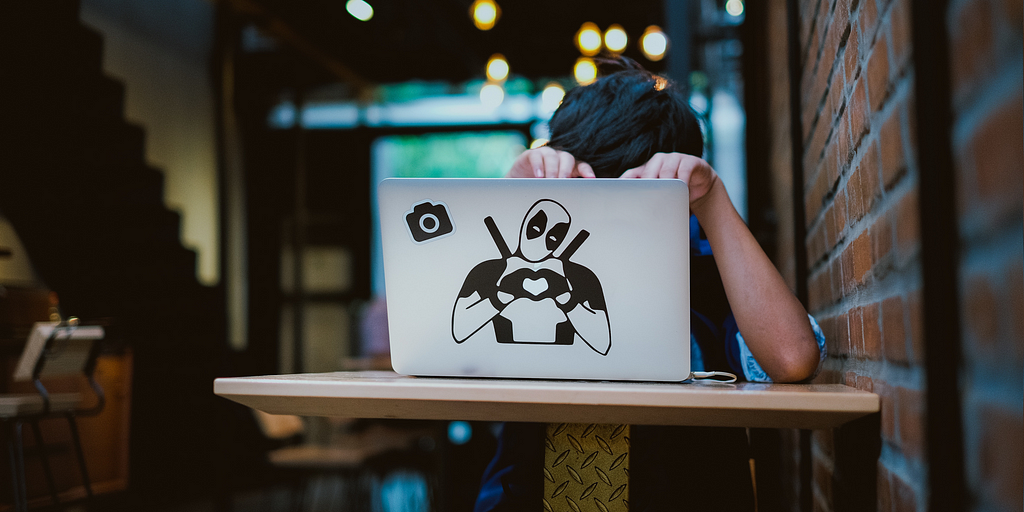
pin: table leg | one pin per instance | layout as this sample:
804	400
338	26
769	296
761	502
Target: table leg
586	463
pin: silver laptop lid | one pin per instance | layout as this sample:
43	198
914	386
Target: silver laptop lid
537	278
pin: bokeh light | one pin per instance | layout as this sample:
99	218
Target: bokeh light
551	97
615	39
734	8
491	95
588	39
585	70
497	68
653	43
485	14
359	9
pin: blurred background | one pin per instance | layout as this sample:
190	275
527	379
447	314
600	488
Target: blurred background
199	177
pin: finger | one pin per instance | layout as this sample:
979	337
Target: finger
550	163
634	172
584	170
536	161
670	167
653	166
566	164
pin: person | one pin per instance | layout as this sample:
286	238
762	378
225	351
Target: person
632	124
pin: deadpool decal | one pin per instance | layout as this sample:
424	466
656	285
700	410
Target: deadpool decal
532	296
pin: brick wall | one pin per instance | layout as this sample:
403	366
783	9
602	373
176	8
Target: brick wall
860	201
986	63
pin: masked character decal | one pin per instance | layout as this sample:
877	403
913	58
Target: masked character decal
532	296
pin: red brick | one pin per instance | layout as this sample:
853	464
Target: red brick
828	223
971	45
869	177
916	327
841	18
849	283
872	332
814	295
831	166
856	332
843	335
907	224
894	337
861	250
837	279
841	137
982	315
904	497
891	143
851	57
881	237
835	99
899	18
865	383
1001	456
816	146
878	73
911	406
997	151
839	205
855	205
884	482
860	114
868	18
816	197
887	395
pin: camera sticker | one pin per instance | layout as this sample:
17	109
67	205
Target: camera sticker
532	296
428	221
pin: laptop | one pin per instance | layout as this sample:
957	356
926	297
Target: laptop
537	278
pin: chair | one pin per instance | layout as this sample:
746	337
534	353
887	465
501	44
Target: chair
53	350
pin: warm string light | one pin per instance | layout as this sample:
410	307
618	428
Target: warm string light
485	13
615	39
653	43
497	68
588	39
585	70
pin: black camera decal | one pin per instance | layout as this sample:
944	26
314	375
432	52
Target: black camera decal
428	220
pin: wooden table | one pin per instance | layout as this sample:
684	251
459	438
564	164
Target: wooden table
379	394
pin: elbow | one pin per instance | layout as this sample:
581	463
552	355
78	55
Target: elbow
800	365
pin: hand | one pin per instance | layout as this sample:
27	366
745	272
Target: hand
545	162
698	174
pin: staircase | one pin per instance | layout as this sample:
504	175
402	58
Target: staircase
75	185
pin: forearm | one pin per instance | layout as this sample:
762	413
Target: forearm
773	322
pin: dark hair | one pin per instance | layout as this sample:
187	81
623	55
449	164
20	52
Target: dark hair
623	118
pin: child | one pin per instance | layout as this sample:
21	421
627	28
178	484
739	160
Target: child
744	318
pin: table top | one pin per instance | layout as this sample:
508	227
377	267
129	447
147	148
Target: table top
385	394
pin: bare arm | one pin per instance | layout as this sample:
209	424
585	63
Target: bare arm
773	322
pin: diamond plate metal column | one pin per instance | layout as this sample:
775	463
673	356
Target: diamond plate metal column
586	464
